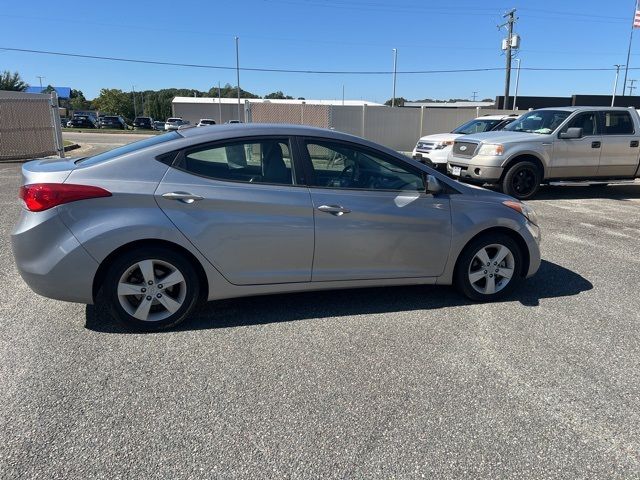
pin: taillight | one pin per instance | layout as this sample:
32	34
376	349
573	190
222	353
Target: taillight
42	196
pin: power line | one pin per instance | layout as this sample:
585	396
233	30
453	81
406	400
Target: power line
320	72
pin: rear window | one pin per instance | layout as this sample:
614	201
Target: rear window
129	148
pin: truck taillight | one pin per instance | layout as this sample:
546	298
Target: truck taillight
42	196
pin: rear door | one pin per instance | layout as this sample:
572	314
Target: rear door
373	218
239	204
620	146
578	157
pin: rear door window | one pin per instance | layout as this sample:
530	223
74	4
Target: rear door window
250	161
618	123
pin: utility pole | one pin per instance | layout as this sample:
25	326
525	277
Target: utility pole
395	65
39	77
135	107
511	19
238	75
631	87
615	84
474	96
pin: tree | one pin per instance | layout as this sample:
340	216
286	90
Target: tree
77	101
12	81
399	101
278	96
113	101
229	91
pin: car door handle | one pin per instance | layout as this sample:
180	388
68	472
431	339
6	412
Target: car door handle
184	197
595	144
336	210
634	143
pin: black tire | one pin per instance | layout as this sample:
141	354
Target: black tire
522	180
464	266
163	259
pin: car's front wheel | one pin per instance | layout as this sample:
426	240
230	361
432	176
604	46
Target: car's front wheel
489	267
151	288
522	180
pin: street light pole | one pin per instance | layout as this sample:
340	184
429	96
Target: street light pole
515	94
615	84
39	77
395	65
238	74
219	104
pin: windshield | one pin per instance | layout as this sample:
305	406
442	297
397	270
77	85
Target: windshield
131	147
476	126
540	121
174	119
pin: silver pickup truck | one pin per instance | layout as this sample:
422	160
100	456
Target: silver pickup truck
597	144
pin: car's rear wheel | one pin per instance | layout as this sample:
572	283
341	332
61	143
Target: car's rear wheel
522	180
489	267
151	288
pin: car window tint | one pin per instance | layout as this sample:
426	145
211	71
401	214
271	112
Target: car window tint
618	123
337	165
256	161
586	121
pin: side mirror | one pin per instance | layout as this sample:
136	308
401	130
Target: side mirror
433	185
571	133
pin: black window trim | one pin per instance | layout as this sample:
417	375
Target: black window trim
310	174
179	155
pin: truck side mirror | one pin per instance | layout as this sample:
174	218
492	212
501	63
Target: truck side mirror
433	185
571	133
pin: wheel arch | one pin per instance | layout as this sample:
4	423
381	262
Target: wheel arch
99	277
524	157
513	234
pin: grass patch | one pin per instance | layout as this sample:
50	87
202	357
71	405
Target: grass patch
67	143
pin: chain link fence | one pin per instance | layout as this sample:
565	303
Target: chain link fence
29	126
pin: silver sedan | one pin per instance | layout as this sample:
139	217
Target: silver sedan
152	228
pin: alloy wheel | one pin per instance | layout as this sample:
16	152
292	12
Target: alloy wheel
152	290
491	269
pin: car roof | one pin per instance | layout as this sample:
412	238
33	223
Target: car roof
231	130
586	107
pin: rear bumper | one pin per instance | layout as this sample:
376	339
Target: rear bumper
50	259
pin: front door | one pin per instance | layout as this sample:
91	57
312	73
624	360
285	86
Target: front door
578	157
238	203
373	219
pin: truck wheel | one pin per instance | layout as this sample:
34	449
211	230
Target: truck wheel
522	180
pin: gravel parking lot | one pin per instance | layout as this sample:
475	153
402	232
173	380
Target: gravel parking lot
375	383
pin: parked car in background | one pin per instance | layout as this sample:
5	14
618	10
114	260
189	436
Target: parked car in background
143	123
64	121
173	123
433	150
152	227
588	144
113	121
158	125
233	121
206	121
83	121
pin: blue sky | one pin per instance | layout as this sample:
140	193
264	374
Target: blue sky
319	35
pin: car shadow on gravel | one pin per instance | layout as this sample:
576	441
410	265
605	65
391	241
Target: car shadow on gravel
551	281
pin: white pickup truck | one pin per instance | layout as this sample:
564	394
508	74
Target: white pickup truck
588	144
433	150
